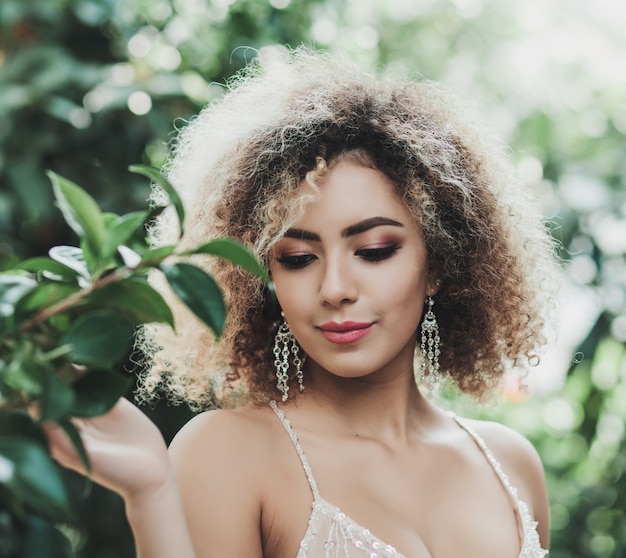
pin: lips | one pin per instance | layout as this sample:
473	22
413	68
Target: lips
345	332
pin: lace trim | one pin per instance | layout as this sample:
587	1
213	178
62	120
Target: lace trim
342	531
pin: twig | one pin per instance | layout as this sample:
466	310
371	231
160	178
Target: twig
68	302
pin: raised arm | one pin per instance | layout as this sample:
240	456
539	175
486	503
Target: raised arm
128	455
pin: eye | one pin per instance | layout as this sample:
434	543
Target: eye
377	254
296	261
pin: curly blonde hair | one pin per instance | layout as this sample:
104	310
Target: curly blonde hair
243	169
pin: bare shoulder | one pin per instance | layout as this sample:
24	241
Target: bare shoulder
222	431
508	445
522	465
224	443
219	459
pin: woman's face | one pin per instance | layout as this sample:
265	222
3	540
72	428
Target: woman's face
351	275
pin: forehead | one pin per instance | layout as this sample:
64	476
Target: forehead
350	192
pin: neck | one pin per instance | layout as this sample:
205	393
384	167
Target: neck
380	405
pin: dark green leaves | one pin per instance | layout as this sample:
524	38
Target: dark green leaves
134	299
68	321
199	292
97	392
99	339
74	435
28	470
57	398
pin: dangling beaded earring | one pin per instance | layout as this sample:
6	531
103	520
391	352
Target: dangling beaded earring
284	344
430	348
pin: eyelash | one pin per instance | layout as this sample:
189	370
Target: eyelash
296	262
377	254
372	255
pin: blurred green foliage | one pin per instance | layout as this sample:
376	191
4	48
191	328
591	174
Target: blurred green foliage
67	321
90	86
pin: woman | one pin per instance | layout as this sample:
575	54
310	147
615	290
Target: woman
395	234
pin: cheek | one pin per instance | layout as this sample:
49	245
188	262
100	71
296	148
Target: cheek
289	292
406	276
407	295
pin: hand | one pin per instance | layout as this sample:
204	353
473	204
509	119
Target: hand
126	450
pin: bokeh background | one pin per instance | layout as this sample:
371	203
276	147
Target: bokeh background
88	87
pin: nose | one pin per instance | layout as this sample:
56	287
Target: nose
338	284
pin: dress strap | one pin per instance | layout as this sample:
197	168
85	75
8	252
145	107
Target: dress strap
531	545
495	464
296	443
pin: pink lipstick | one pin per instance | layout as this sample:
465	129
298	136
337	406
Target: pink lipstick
345	332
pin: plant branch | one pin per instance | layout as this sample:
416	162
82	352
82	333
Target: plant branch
70	301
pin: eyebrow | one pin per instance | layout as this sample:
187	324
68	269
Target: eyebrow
351	230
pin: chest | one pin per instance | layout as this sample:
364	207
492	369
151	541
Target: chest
428	502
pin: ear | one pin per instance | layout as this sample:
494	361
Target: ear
432	286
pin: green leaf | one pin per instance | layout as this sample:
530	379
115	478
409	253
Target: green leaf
157	255
74	435
235	252
80	211
47	294
25	375
33	477
72	257
122	229
199	292
109	218
93	263
57	398
97	392
48	268
42	539
60	322
20	423
155	211
134	299
155	176
12	288
99	339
